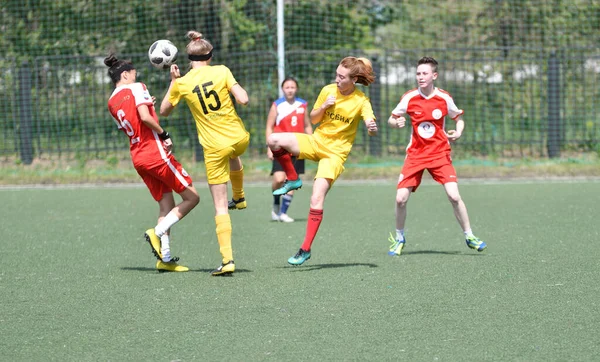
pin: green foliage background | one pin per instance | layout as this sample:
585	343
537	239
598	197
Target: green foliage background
60	45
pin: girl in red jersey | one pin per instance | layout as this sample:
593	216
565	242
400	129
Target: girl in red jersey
287	114
150	145
429	149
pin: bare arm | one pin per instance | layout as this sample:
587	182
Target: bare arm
397	120
307	125
371	126
165	106
269	128
453	135
149	122
240	94
316	115
147	119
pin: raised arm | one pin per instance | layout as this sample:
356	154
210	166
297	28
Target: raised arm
316	115
165	106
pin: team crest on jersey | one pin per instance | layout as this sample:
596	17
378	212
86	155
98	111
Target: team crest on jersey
426	129
436	114
300	110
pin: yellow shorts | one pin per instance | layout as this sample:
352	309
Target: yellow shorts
330	165
217	161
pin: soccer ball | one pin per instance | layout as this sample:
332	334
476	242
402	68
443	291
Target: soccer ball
162	54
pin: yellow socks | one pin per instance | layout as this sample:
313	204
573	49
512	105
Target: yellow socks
237	183
224	236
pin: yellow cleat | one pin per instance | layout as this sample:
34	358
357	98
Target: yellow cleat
154	242
170	266
225	269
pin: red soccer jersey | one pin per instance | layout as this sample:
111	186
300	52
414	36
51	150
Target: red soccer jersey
428	140
146	147
290	117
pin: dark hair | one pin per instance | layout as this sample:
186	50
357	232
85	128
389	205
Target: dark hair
288	79
430	61
116	67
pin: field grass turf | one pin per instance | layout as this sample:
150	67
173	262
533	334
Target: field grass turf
78	280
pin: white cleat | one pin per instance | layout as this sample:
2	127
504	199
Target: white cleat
285	218
274	216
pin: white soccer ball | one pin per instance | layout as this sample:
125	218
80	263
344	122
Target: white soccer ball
162	54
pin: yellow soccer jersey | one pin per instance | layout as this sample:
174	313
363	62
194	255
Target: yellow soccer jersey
206	92
339	125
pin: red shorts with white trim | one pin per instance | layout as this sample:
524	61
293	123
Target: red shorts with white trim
165	178
440	169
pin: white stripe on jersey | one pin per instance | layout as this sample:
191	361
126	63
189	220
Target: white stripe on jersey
284	109
167	160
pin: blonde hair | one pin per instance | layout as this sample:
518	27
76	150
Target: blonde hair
361	68
197	45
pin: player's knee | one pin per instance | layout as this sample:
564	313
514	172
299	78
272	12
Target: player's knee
195	199
273	140
316	201
454	198
402	199
191	195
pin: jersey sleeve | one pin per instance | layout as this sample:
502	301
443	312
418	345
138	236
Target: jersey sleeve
367	110
401	108
174	94
229	78
453	110
141	94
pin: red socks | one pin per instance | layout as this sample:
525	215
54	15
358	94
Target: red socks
312	226
285	160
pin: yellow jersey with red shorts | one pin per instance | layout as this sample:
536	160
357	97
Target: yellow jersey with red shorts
429	148
332	140
221	131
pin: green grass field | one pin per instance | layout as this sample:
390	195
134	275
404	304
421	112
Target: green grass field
78	280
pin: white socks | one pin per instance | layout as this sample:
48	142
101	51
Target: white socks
400	234
165	224
468	233
161	231
165	248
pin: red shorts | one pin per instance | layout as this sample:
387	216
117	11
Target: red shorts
165	178
441	170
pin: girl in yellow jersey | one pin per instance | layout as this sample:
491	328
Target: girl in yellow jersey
205	89
338	109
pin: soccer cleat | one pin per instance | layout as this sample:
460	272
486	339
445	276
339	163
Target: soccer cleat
285	218
300	257
170	266
288	186
154	242
274	216
237	204
473	242
396	246
225	269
